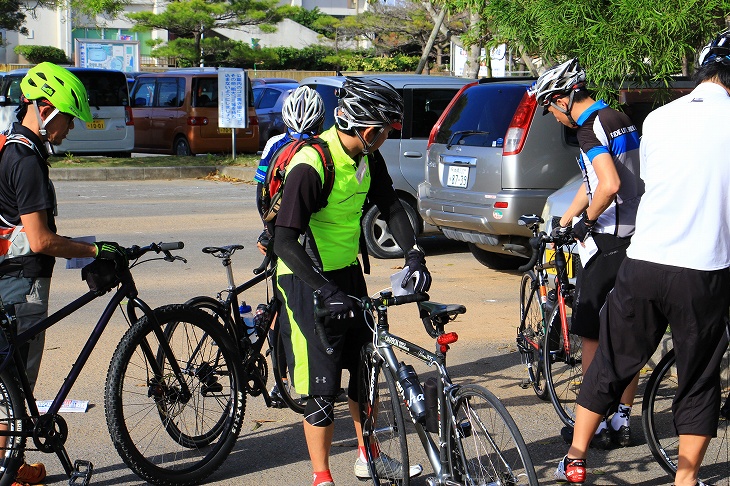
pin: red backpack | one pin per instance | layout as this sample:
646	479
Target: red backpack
273	185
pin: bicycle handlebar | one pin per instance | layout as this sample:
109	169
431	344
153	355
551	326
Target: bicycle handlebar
538	241
135	251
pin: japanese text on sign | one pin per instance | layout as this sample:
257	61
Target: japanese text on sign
233	98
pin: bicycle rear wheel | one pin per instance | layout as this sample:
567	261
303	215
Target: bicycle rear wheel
282	376
563	368
485	445
657	420
381	416
164	436
12	417
531	334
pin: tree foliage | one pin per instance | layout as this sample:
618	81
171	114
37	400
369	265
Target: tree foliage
616	41
13	13
39	54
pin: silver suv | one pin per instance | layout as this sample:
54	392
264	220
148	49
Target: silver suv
491	159
426	97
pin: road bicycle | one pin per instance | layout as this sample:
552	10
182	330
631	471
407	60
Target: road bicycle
657	420
226	312
158	404
476	440
553	354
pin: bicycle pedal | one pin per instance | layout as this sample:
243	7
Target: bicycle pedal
210	389
81	474
525	383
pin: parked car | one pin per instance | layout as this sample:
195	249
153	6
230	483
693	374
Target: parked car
405	150
486	167
268	100
261	81
176	112
112	130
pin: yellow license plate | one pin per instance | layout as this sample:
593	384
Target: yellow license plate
550	257
96	125
225	130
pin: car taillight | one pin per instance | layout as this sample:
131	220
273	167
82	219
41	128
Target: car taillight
253	120
128	117
437	126
520	125
197	120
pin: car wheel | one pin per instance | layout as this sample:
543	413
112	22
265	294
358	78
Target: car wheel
121	155
181	147
495	261
378	238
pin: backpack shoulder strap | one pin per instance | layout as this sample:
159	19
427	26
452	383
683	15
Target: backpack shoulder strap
325	156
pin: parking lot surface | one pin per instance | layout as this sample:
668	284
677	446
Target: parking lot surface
271	449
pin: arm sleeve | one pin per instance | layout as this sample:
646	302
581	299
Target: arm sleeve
287	247
385	198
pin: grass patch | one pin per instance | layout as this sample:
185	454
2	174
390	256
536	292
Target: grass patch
72	161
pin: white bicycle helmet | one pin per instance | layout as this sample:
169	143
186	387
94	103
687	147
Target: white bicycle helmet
303	111
564	79
718	50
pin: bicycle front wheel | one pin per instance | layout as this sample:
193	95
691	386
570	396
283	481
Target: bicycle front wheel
282	377
531	334
383	428
563	367
485	445
657	419
13	416
163	433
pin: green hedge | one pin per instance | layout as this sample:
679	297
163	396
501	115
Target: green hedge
38	54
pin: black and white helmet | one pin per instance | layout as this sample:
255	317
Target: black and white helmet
368	102
718	50
303	111
562	79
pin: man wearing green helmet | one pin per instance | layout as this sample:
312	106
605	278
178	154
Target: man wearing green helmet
52	98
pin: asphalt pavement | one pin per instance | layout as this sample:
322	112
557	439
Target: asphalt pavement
271	450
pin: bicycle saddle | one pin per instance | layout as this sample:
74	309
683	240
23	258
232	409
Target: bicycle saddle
440	313
222	251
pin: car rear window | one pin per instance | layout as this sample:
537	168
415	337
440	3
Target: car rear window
105	88
481	115
327	92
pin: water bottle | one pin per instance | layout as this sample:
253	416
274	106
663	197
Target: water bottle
248	321
261	319
430	392
412	391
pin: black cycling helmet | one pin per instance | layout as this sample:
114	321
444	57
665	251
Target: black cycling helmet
718	50
368	102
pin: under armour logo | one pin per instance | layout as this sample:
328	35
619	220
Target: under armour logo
320	379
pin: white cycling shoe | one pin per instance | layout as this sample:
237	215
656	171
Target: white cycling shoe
386	467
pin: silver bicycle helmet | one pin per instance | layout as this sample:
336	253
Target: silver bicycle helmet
303	111
718	50
564	79
368	102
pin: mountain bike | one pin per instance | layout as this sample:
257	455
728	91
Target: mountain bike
157	403
553	354
657	420
226	312
476	440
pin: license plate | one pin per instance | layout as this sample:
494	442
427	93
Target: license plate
225	130
458	176
550	257
96	125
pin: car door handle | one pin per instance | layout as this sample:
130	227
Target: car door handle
413	155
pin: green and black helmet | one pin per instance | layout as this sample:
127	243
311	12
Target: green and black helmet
60	87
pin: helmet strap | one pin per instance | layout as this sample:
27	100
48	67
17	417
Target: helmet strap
366	146
566	112
41	122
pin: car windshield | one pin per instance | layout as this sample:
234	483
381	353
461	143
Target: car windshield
481	115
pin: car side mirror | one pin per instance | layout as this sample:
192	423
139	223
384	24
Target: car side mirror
3	100
140	102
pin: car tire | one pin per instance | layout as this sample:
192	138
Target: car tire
181	147
121	155
378	238
495	261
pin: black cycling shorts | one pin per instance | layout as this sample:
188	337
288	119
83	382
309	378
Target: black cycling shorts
315	372
595	282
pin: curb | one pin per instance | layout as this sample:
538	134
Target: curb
149	173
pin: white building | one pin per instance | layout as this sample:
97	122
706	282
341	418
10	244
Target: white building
58	28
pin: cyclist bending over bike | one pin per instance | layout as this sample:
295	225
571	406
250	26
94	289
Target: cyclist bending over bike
326	261
676	270
51	98
606	204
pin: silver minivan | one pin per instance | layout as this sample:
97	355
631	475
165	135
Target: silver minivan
425	98
111	132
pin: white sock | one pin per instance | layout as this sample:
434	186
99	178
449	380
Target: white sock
621	417
602	426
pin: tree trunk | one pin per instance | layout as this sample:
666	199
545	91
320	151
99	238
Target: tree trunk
528	61
471	70
431	39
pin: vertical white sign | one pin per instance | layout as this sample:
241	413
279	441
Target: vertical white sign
232	98
498	57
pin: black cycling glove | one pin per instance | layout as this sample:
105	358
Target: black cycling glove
559	232
338	303
583	227
416	263
109	250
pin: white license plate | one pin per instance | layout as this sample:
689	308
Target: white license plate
458	176
95	125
